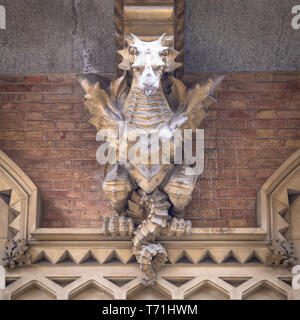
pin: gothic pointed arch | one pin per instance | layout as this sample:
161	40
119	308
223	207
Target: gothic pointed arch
19	201
279	203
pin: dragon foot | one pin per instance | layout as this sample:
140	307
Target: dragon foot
115	226
178	227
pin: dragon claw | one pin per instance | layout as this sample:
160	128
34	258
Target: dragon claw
178	227
116	225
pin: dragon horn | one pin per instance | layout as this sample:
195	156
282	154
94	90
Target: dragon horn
159	41
137	40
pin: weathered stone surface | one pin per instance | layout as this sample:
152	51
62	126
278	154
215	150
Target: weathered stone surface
240	35
220	35
57	36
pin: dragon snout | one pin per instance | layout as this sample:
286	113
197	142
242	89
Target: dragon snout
148	80
149	90
149	86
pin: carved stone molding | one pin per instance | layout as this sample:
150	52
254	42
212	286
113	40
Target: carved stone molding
110	252
22	200
179	34
19	212
276	196
116	282
278	211
119	28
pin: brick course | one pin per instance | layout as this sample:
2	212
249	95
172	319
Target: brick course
253	128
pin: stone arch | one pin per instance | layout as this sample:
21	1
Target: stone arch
264	290
155	292
91	290
207	290
33	290
19	206
275	199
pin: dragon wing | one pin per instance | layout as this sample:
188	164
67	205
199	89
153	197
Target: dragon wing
102	98
193	102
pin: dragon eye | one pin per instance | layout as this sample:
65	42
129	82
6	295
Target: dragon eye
157	68
165	52
137	68
133	51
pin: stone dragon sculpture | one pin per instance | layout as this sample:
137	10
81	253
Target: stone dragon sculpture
149	199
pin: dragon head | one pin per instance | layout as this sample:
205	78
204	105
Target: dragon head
148	61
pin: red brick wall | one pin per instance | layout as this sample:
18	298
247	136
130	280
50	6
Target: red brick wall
253	128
